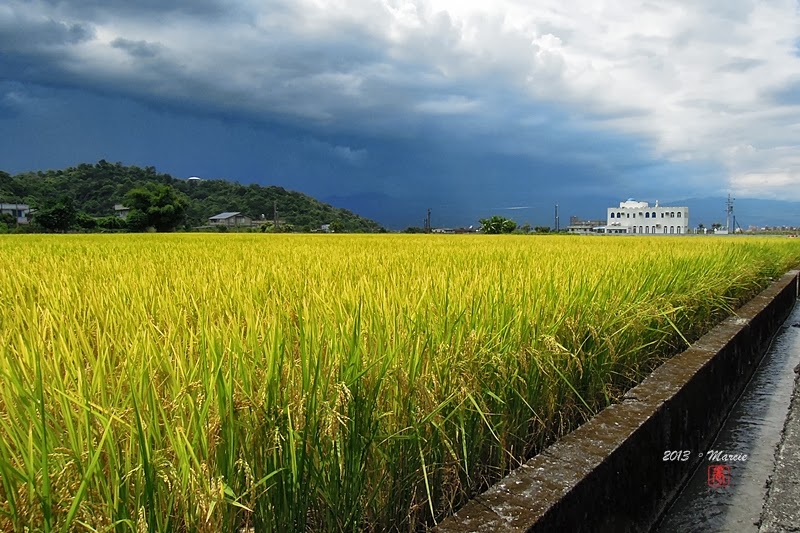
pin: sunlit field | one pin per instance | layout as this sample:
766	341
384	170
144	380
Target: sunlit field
264	383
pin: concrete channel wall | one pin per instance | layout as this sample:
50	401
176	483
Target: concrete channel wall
609	475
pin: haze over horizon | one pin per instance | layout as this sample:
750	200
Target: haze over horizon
465	107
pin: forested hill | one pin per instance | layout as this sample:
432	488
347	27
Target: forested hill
95	189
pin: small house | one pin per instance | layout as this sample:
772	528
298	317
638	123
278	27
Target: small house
230	219
21	212
121	211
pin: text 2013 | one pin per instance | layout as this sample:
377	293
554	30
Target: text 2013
676	455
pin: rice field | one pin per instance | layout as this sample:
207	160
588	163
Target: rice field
275	383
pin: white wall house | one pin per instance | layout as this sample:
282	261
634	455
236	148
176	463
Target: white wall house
121	211
632	217
19	211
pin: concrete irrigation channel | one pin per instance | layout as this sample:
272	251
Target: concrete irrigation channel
621	470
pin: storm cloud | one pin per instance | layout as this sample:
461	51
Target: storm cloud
464	104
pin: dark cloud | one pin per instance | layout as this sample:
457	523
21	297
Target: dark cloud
382	100
323	77
140	49
12	101
461	180
95	8
18	35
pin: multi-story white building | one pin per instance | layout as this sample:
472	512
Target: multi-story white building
632	217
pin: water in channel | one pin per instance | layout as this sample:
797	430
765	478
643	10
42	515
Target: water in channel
753	428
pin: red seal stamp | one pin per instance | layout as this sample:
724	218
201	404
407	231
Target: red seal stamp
719	476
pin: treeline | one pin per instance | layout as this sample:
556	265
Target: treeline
93	190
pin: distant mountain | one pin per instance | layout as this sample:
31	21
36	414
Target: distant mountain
748	212
96	188
392	212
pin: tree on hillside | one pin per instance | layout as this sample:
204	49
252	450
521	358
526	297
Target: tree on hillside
7	221
497	224
155	205
85	221
60	216
95	188
111	223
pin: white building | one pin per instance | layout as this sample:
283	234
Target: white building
21	212
632	217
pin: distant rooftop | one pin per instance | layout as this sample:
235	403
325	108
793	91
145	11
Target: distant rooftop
226	215
633	204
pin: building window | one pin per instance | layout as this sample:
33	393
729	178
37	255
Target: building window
679	228
647	229
647	215
679	214
665	230
653	215
662	215
671	214
634	229
672	229
629	215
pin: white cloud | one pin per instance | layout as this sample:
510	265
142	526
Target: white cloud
768	184
695	78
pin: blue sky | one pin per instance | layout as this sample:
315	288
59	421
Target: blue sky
392	106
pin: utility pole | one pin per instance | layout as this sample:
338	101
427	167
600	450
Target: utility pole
428	222
728	213
275	214
556	219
